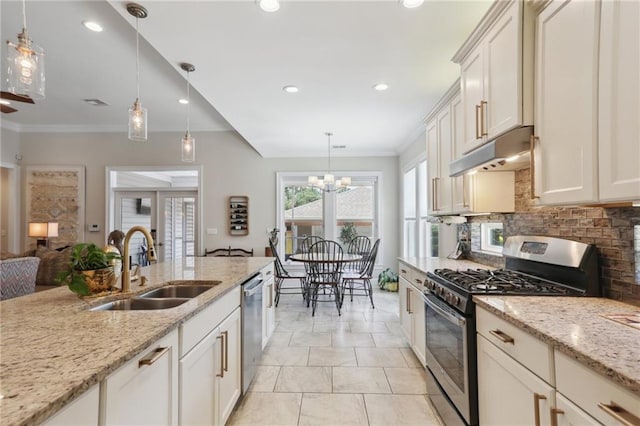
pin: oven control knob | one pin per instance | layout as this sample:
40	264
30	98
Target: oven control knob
455	300
447	297
440	291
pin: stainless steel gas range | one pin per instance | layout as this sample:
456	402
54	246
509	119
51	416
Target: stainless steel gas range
540	266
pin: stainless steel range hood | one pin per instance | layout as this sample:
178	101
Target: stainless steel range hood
493	155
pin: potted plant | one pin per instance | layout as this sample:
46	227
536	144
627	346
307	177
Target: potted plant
90	270
388	280
348	233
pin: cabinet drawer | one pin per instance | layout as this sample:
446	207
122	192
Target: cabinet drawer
587	389
267	272
195	329
414	276
534	354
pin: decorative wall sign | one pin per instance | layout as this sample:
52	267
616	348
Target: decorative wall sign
56	194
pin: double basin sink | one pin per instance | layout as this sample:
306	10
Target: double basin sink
166	297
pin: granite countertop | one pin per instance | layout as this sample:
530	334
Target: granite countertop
52	348
429	264
576	327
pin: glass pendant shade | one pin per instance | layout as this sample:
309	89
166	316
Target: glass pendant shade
188	148
329	178
137	122
25	68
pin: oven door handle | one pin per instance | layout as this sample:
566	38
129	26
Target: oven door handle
459	321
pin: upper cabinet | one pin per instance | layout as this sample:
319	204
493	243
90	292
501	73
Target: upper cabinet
587	111
496	75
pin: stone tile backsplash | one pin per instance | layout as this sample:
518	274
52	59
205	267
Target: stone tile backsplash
615	231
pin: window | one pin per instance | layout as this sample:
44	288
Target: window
307	211
420	236
491	237
410	214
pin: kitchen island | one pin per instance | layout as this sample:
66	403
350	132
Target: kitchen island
53	348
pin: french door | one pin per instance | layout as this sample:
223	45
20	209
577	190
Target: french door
169	215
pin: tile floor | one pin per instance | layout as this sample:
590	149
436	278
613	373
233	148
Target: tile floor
354	369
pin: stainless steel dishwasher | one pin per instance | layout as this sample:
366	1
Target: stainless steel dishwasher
251	328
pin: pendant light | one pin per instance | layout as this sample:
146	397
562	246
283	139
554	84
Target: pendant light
25	64
188	142
137	114
328	182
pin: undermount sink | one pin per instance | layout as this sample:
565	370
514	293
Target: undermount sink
140	304
173	291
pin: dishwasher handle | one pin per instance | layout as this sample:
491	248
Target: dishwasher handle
253	286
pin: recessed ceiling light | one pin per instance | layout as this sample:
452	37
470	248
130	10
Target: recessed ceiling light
269	5
183	101
4	102
93	26
381	86
410	4
290	89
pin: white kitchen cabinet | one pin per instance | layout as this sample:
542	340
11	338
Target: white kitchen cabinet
438	159
566	109
268	305
144	391
619	102
508	393
412	319
567	413
494	78
591	391
83	411
459	184
230	380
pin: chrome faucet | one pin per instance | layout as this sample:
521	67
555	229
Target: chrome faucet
126	263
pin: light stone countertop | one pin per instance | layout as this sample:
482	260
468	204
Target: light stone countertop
52	348
575	326
429	264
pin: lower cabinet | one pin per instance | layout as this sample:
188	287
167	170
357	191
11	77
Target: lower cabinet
144	391
567	413
508	393
230	379
268	305
412	320
82	411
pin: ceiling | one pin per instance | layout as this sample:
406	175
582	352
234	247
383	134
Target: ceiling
334	51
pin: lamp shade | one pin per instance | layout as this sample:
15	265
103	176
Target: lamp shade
25	68
43	229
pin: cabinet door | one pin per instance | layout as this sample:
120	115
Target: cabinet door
565	157
508	393
144	391
445	142
460	184
433	164
405	313
198	382
503	73
619	91
230	382
82	411
472	86
419	341
569	414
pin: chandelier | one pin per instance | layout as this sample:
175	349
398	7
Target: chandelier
25	60
328	183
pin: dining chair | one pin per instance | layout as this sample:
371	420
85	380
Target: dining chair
359	245
361	281
281	275
304	248
325	272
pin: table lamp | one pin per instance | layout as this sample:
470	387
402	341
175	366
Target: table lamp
43	231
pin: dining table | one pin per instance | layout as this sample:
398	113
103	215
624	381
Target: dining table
324	258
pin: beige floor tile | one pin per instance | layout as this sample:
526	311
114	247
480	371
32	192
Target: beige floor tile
260	408
410	358
332	409
304	379
329	326
407	380
303	338
339	357
360	380
388	340
265	378
284	355
380	357
298	325
281	338
385	410
344	339
377	315
368	327
348	315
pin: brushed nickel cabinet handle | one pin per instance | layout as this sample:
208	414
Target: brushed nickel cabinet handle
532	165
434	207
221	356
502	336
437	192
483	118
478	135
404	271
620	414
418	280
536	407
465	203
157	354
408	301
225	335
554	416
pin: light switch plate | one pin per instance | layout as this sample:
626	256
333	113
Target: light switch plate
212	231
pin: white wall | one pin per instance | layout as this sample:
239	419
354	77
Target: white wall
230	167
